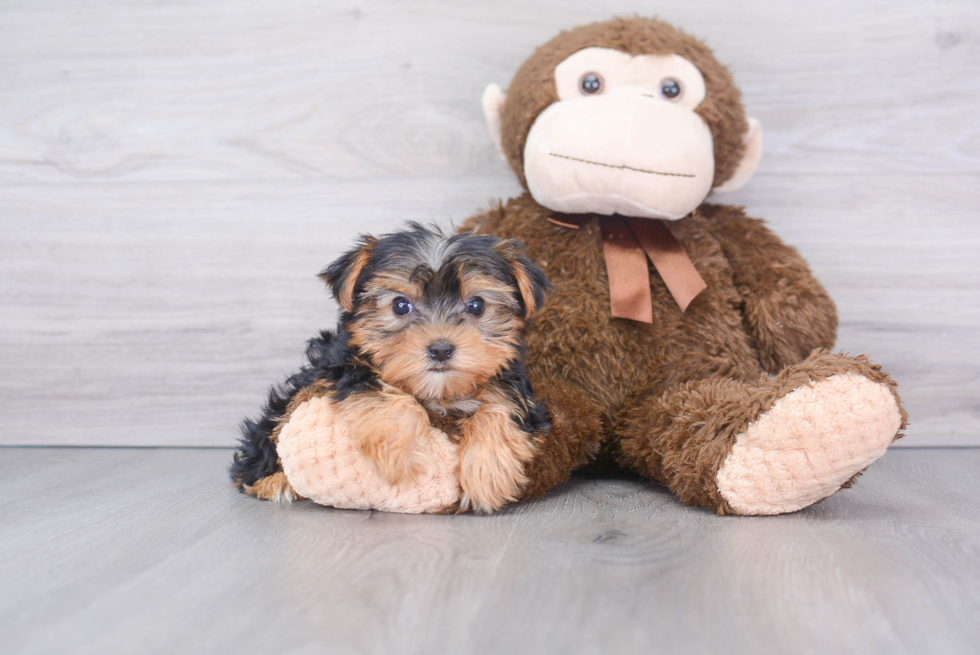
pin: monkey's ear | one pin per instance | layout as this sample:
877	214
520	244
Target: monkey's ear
493	104
532	284
750	159
341	276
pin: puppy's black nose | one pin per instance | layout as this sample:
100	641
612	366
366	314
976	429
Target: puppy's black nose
440	350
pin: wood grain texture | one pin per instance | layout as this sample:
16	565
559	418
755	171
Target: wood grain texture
172	176
151	551
225	89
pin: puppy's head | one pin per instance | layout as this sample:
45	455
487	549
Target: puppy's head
437	315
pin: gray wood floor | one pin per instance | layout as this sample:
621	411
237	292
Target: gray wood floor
150	550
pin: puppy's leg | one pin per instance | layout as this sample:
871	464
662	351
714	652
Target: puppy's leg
256	469
493	452
273	487
386	424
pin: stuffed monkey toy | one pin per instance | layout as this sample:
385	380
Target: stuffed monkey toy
682	340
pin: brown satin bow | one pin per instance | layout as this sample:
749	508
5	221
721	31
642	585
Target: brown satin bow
626	244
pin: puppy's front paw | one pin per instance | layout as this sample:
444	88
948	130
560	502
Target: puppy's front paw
395	457
490	478
388	427
492	454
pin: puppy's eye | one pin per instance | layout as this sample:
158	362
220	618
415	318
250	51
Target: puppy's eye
671	89
590	84
475	306
402	306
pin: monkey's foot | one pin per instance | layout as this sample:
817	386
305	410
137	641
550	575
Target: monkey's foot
809	444
322	462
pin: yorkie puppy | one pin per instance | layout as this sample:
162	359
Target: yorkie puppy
430	333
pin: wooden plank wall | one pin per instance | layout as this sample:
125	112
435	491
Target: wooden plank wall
172	176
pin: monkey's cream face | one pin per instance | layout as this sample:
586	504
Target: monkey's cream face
623	138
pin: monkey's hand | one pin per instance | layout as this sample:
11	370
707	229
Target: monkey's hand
786	311
387	425
493	453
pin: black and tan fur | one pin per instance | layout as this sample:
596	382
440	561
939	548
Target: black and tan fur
390	373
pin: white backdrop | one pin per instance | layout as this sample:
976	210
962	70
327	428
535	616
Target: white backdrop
172	176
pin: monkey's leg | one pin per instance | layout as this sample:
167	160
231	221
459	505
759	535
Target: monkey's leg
322	459
771	447
576	434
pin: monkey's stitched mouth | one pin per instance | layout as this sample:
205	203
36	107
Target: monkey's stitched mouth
621	167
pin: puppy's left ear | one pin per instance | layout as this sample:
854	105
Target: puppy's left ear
532	284
341	276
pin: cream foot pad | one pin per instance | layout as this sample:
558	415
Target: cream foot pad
321	463
812	440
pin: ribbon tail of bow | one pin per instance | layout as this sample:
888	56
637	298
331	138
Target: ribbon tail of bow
626	265
670	259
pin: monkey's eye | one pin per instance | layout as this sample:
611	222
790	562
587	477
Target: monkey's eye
476	306
590	84
402	306
671	89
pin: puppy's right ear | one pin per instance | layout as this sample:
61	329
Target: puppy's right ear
342	275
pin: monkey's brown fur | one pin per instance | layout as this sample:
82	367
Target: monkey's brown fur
666	399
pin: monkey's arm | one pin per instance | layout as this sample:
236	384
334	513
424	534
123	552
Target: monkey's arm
787	313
